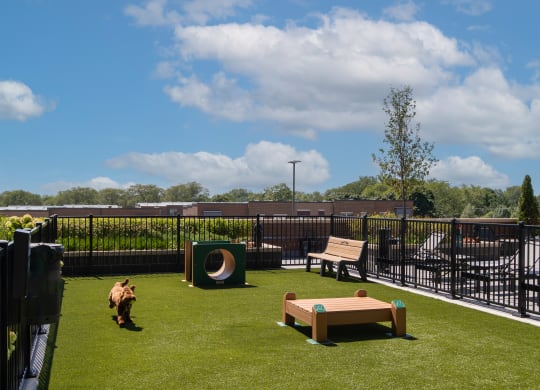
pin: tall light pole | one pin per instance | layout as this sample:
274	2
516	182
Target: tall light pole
293	162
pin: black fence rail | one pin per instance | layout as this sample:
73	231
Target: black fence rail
18	326
492	263
116	245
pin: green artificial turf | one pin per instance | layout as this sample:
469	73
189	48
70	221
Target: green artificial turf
229	338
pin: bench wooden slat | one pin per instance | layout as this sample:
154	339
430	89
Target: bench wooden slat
341	251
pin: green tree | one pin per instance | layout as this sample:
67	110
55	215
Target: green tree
483	201
113	196
189	192
407	159
352	190
49	200
278	193
234	195
511	199
309	197
378	191
144	193
528	204
447	201
20	198
423	203
77	195
468	211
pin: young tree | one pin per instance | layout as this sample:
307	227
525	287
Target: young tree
528	205
407	159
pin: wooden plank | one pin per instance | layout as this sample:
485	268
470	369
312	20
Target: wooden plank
360	309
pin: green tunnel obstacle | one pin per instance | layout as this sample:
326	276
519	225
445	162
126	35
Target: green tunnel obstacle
232	270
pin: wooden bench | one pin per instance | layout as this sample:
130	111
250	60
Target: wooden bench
342	251
360	309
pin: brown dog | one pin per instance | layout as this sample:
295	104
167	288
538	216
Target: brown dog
122	297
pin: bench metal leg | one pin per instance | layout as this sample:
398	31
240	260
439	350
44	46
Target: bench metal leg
342	269
323	266
339	270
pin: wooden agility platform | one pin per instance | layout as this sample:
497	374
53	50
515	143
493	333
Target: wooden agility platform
359	309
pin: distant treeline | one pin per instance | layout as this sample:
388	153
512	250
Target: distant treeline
431	198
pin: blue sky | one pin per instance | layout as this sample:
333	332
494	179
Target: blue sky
225	92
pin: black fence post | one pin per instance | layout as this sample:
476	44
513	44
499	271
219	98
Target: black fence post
364	228
258	239
453	251
21	255
54	228
47	234
37	235
402	242
178	245
331	224
258	232
90	242
4	294
521	271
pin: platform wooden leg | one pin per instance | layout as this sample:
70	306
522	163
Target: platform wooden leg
287	318
187	261
399	320
360	293
319	324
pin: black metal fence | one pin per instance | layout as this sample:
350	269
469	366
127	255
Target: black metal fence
490	263
115	245
18	333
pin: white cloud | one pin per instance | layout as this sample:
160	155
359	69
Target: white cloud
102	182
222	97
97	183
162	12
18	102
535	67
331	77
402	11
335	75
154	13
471	7
469	171
201	11
263	164
485	110
165	70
